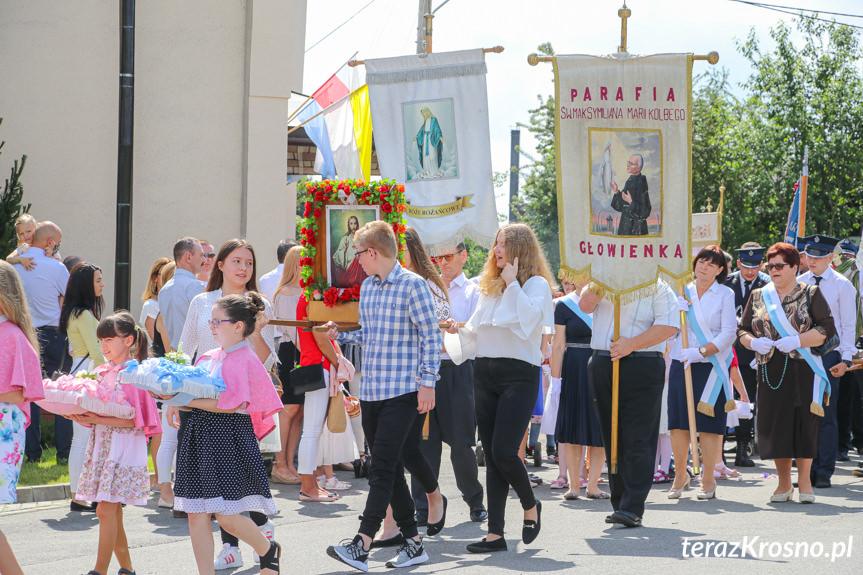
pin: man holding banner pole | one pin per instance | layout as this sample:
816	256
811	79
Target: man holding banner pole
644	326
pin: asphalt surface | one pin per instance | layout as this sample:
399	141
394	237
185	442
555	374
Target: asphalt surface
769	538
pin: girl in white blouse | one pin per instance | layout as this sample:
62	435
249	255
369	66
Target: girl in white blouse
234	272
505	332
712	329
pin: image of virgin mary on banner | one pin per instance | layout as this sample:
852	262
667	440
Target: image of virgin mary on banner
430	117
624	148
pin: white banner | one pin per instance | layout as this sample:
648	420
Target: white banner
706	230
624	169
430	117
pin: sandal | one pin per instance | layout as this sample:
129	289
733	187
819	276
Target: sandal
271	559
724	472
286	480
124	571
335	484
661	477
570	496
560	483
599	495
325	499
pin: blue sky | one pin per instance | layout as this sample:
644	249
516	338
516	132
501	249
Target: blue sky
388	28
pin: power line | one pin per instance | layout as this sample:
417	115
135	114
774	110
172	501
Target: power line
340	25
788	10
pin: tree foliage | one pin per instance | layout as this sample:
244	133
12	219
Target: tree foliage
807	92
10	204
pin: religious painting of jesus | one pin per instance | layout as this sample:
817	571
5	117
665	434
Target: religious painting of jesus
430	140
343	266
625	182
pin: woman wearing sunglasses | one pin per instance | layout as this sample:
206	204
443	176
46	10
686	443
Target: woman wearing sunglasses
781	322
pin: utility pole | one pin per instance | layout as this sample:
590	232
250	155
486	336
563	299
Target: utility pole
515	139
123	249
424	8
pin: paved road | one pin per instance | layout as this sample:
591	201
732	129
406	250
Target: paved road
49	539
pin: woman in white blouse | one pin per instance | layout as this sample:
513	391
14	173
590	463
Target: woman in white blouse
234	272
712	329
505	332
291	418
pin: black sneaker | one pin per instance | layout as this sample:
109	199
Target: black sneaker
411	553
351	553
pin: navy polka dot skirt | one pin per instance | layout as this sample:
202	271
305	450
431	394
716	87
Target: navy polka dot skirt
219	466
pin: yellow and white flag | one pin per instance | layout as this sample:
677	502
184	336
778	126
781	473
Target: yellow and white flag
624	149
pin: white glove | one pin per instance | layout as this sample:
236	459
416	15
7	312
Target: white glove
682	304
788	344
555	385
690	355
744	410
761	345
753	364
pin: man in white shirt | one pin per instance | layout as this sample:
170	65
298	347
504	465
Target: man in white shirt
645	325
176	295
842	299
45	286
453	420
270	280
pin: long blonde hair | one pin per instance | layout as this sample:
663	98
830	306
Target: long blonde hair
152	290
14	303
290	272
520	242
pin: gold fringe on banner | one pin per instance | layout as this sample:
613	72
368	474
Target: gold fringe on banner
626	296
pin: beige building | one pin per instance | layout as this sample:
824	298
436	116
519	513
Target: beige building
212	83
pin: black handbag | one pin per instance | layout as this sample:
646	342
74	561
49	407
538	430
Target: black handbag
307	378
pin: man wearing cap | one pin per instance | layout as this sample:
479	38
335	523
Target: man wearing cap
747	278
850	403
842	298
801	247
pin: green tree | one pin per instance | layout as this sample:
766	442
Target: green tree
10	204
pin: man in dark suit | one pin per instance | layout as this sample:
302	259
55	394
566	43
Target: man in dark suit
748	277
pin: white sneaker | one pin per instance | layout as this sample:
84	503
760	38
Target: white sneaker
269	531
334	484
411	553
228	558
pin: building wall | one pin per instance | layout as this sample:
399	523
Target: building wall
212	82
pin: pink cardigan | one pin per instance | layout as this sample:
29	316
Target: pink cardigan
19	366
147	416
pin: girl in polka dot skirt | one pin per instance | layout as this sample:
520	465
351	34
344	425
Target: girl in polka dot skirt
115	462
219	466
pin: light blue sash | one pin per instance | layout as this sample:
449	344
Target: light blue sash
820	383
571	301
721	361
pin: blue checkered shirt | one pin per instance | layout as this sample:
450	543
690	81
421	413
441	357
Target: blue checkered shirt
400	336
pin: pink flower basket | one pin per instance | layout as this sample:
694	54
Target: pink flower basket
69	395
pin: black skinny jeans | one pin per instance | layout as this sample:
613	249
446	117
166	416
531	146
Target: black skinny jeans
505	392
387	425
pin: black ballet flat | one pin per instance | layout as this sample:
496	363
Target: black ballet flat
487	546
530	528
399	539
271	559
435	528
73	506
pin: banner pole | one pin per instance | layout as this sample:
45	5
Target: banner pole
804	180
615	391
690	399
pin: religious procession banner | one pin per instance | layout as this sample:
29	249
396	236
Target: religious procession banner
430	117
624	149
706	230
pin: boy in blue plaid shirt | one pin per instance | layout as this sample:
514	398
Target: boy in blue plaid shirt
401	344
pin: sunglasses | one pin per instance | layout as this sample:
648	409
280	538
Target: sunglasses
215	323
446	257
777	267
210	255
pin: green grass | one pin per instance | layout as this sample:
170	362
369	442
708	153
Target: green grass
47	472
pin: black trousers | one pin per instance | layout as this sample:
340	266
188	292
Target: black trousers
828	426
54	353
745	430
422	474
639	410
452	421
505	392
850	412
387	425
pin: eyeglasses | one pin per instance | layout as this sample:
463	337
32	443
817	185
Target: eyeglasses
361	251
777	267
215	323
210	255
446	257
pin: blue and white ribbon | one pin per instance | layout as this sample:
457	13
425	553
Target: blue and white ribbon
721	361
820	383
571	301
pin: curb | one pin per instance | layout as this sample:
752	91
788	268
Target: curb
54	492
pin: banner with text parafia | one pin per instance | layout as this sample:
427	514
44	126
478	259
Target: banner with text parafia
624	173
